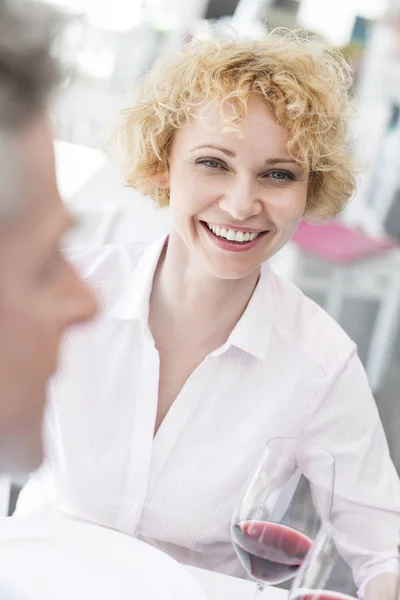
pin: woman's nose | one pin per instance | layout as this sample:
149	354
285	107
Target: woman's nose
241	201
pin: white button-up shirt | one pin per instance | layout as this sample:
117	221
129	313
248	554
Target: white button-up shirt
287	369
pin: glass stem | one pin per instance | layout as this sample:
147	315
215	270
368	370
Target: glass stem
259	591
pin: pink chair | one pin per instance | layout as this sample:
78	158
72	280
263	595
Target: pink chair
356	265
339	244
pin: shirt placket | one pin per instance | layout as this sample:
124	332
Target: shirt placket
179	415
138	480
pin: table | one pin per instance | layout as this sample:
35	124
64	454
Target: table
222	587
106	563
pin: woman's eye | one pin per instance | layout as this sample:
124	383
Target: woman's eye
210	163
281	176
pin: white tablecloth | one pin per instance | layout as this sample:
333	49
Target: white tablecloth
49	554
222	587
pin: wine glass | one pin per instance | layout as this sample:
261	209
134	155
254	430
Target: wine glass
281	512
321	574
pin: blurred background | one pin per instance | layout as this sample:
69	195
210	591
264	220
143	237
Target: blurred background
351	266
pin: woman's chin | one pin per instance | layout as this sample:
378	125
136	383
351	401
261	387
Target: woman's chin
231	266
226	270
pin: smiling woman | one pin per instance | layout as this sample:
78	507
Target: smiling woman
201	354
305	84
242	182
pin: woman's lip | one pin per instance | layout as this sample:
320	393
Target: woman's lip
236	227
230	245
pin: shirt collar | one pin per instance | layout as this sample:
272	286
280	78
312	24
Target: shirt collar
251	333
134	300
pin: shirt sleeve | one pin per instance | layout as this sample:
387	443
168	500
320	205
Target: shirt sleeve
366	502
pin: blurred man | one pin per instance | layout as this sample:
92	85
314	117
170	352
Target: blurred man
40	293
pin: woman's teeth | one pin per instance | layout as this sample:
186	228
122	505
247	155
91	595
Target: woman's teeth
232	235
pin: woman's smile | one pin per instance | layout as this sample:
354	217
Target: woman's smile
233	239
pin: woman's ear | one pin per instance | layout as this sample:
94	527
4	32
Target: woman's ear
163	180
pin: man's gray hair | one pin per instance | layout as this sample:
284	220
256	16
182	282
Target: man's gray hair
28	70
28	74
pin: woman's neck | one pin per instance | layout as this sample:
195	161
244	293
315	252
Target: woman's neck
186	296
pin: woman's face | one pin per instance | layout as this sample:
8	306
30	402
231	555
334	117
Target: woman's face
235	199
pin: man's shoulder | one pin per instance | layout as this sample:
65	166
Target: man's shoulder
107	266
7	594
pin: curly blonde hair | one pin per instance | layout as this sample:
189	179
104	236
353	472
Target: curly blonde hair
305	83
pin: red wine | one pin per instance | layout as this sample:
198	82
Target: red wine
270	552
304	594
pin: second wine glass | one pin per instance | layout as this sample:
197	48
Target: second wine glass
282	510
322	577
